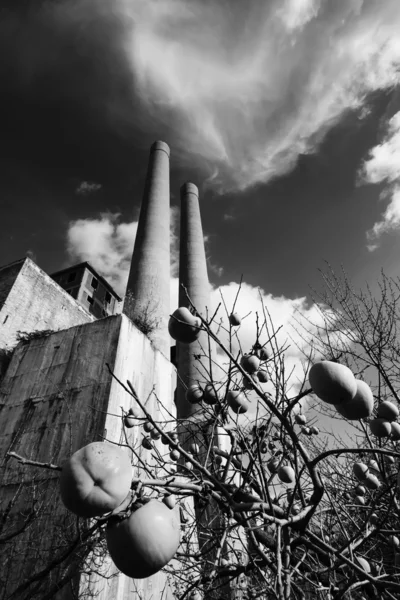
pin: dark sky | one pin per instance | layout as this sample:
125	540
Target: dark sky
272	112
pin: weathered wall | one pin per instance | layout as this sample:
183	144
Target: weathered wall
32	301
154	379
58	395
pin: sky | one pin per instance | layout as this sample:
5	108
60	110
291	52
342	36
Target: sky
285	113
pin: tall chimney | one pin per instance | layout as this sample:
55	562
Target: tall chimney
192	275
148	289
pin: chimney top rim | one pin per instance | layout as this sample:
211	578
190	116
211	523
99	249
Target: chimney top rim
160	145
189	188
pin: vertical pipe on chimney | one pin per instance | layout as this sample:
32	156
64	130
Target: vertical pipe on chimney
193	275
148	289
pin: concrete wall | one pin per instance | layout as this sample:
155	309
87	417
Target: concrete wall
32	301
58	395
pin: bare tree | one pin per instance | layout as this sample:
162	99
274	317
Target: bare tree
269	503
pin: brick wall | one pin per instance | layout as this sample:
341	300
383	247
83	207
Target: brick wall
33	301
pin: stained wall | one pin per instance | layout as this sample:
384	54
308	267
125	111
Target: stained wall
56	396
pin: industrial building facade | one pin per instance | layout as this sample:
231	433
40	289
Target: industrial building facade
61	338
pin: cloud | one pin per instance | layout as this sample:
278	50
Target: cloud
85	188
295	14
107	244
253	85
241	89
382	167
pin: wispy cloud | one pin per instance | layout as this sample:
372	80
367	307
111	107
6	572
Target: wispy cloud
86	188
382	167
253	85
238	88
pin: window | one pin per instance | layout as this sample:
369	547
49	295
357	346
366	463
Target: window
71	277
89	299
94	283
108	297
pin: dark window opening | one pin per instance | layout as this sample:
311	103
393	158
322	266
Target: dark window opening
94	283
72	291
71	277
108	297
90	299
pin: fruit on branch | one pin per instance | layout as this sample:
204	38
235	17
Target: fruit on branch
394	541
174	455
389	459
374	519
273	465
248	383
210	395
359	500
388	410
262	376
183	326
129	421
95	479
300	419
263	354
145	542
235	320
188	466
195	595
194	394
146	443
147	426
360	490
395	434
218	460
154	434
194	449
363	563
170	501
380	427
250	363
264	448
361	406
360	471
373	465
237	401
332	382
372	482
306	430
286	474
164	440
314	430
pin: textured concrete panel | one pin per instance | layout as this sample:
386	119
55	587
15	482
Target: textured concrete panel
57	396
34	302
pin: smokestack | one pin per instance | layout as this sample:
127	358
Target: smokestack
193	275
148	289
